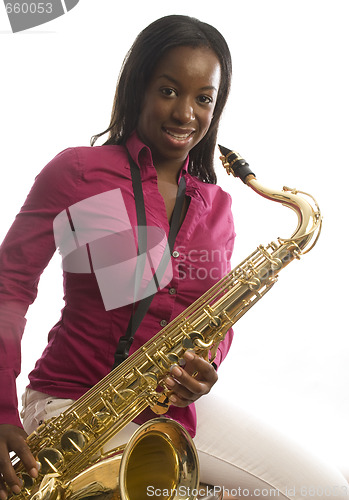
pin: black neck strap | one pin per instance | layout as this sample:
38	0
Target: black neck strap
138	313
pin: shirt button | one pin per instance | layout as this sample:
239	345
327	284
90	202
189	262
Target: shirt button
175	254
172	291
163	322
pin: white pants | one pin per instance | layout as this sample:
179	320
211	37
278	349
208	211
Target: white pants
243	456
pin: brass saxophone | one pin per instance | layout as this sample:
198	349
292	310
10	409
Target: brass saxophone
161	452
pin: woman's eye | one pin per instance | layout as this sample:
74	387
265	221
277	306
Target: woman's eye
168	92
205	99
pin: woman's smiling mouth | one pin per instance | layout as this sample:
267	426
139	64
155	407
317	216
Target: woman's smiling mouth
179	135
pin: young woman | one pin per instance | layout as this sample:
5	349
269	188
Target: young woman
88	202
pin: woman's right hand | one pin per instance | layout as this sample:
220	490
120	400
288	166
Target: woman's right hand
12	438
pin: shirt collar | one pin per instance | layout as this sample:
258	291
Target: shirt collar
141	154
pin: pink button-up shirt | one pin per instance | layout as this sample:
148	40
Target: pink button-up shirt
83	195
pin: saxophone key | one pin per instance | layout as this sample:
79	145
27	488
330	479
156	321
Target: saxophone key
50	489
163	361
254	283
202	348
100	420
73	440
109	410
214	321
162	404
51	460
151	380
123	396
153	360
28	481
173	358
190	342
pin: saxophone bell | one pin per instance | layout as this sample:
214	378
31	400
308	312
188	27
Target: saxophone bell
159	459
160	456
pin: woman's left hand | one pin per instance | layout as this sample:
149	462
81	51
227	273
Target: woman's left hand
186	388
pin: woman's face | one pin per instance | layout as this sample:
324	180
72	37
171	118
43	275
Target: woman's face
179	103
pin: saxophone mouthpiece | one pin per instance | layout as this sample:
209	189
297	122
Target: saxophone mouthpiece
223	150
235	164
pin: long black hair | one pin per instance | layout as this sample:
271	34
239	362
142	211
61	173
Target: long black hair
150	45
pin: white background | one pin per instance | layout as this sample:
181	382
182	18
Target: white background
287	115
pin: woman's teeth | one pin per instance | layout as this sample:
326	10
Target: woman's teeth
180	137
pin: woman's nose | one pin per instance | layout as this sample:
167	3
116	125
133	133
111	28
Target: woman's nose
184	111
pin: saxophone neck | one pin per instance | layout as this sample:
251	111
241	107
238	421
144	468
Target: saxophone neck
307	210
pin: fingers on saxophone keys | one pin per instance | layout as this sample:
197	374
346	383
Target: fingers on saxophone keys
3	491
16	489
8	478
175	373
170	383
189	355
